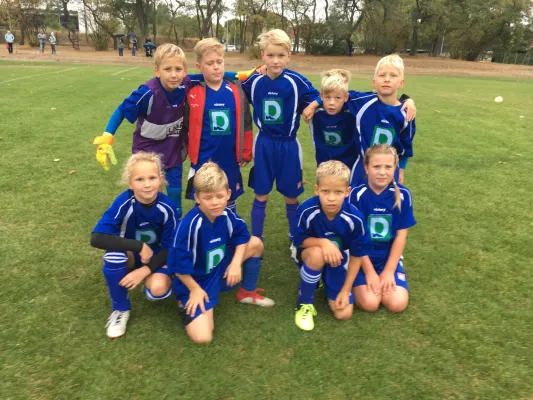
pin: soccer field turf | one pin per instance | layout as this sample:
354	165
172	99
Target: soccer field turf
465	334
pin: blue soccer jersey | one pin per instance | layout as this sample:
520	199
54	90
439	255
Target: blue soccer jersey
347	230
334	136
202	247
379	123
382	219
130	219
279	102
219	127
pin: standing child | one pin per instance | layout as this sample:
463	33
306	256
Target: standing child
220	123
53	41
149	47
136	232
278	98
332	238
120	47
9	38
210	246
388	210
133	46
158	106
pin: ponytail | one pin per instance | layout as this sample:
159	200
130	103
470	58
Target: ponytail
397	196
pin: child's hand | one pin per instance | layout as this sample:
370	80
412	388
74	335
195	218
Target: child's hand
309	111
233	274
373	283
342	300
196	299
388	283
262	69
146	254
132	280
332	254
243	164
400	176
409	106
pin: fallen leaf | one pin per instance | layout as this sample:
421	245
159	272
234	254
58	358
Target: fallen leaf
437	111
53	108
56	159
502	162
71	172
521	116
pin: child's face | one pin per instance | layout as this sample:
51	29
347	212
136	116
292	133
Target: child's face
380	171
170	72
145	181
276	58
212	67
331	192
387	81
334	100
212	204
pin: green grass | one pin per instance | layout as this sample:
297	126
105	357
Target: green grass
465	334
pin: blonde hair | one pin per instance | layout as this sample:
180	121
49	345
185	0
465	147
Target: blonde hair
137	158
275	37
392	60
385	149
333	169
210	178
206	45
169	50
335	79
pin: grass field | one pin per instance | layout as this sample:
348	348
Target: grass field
467	332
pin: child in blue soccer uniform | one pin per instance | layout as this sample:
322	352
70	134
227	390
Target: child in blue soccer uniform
278	99
220	123
210	246
388	211
333	237
136	232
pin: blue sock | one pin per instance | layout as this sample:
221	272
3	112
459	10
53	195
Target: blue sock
233	207
290	210
258	218
250	273
114	270
150	296
175	195
308	280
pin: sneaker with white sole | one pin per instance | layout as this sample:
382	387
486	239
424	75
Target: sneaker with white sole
253	297
304	317
117	323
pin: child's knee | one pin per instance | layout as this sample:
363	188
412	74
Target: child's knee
256	246
158	284
313	257
396	303
344	314
204	337
368	302
200	330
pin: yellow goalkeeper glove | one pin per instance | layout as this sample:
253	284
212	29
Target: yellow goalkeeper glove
104	151
243	75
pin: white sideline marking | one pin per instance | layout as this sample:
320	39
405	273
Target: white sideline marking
46	73
124	70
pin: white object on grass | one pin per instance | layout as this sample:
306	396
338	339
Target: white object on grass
498	99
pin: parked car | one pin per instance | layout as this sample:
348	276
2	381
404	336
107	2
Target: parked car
231	47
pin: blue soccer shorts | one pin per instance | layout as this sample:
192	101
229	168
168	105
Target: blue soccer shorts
399	276
234	180
280	161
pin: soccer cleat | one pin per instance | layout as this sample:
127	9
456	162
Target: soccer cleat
304	317
117	323
294	255
253	297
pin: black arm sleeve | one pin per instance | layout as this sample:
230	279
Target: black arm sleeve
404	97
113	242
159	260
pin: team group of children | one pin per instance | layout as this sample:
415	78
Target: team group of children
350	236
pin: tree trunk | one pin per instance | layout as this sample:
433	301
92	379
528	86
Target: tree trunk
414	42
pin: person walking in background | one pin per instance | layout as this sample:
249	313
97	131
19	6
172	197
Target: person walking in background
9	38
53	41
120	47
133	46
42	41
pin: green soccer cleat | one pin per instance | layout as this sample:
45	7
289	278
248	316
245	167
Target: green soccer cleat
304	317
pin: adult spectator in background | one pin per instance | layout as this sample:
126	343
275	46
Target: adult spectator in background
10	38
53	41
42	41
133	46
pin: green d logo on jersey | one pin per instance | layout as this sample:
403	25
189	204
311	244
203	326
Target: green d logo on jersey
380	227
272	111
333	138
337	241
382	135
148	236
214	257
219	122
